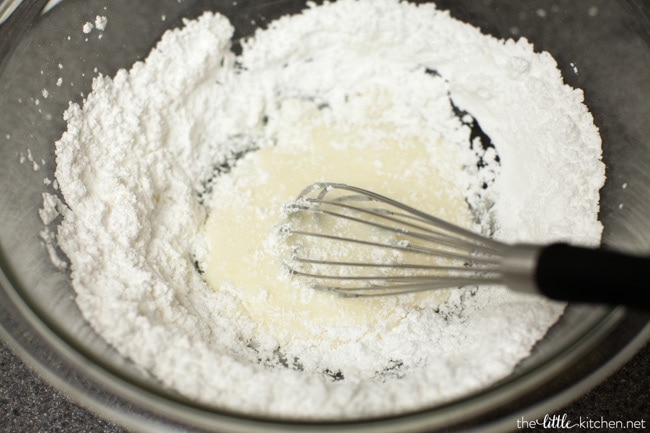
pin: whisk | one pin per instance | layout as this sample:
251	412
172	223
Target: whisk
358	243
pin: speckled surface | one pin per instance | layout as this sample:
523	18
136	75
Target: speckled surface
29	404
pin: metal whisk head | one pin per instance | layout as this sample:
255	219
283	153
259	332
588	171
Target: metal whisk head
359	243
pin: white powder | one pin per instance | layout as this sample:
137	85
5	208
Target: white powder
136	156
100	22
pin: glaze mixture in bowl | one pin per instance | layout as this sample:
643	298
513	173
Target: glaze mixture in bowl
174	174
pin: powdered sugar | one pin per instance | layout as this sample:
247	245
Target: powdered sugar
141	155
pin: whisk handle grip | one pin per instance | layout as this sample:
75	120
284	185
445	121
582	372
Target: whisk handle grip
571	273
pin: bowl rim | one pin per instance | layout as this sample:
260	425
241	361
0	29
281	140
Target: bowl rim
149	407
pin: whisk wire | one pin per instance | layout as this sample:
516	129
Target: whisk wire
398	289
449	256
363	195
404	226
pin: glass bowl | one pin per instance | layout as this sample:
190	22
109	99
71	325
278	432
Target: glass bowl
607	42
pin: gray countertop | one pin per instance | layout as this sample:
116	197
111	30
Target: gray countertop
29	404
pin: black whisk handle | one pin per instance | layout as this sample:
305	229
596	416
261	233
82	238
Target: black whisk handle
569	273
